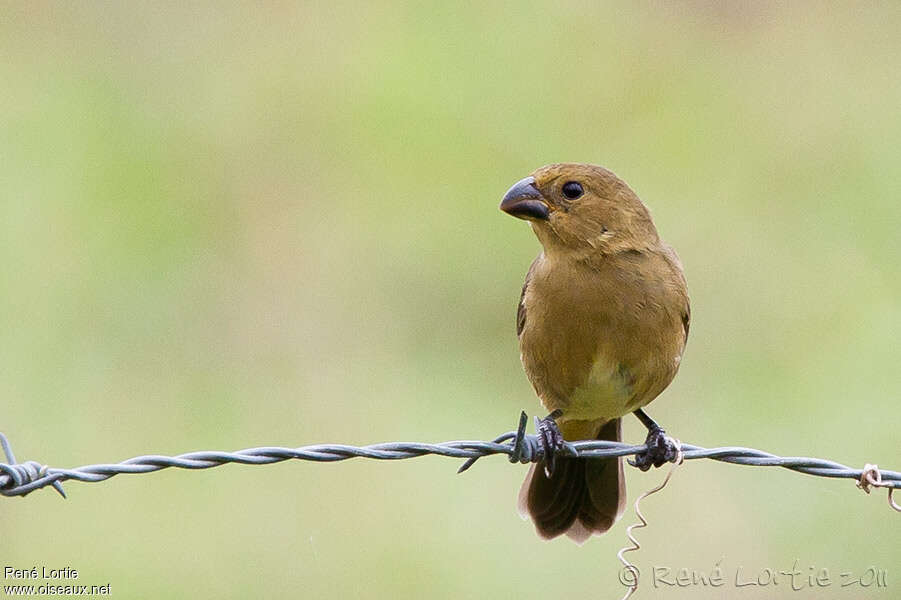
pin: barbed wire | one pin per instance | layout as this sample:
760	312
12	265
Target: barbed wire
19	479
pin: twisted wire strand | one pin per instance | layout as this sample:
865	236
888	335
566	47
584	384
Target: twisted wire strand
19	479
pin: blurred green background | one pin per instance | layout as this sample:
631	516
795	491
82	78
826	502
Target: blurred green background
226	226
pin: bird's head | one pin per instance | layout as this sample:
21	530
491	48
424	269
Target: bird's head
581	209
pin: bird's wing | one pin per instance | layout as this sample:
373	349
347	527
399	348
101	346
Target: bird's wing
521	310
676	264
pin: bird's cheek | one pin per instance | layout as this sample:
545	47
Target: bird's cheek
557	219
547	232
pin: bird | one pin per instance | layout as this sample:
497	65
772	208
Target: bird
602	321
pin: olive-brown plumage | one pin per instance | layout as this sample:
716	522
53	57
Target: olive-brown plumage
602	323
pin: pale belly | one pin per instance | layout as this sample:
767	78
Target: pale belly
606	394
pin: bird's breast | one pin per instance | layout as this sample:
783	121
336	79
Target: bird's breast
597	345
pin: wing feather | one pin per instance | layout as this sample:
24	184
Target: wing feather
521	309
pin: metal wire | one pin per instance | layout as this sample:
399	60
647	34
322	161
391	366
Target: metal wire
629	575
19	479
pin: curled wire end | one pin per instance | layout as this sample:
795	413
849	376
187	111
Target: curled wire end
629	574
871	476
27	475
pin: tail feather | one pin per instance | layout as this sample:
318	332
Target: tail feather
556	503
584	497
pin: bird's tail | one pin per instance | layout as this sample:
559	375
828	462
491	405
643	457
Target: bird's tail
584	497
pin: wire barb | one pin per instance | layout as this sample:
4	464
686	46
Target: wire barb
525	448
24	475
18	479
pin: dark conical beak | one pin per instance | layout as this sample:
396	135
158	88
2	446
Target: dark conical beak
524	201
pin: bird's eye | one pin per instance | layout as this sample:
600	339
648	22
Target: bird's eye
572	189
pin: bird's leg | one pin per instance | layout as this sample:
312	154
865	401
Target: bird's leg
551	440
660	448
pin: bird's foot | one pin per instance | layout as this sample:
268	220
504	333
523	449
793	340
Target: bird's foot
551	440
660	450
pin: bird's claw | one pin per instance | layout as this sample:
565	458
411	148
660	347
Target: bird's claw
551	440
660	450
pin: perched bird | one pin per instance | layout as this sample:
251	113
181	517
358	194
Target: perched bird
602	323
